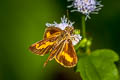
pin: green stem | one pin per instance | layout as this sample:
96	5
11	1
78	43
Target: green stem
83	27
84	33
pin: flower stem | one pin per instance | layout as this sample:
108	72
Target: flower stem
83	27
84	35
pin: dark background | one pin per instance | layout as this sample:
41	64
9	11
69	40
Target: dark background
23	23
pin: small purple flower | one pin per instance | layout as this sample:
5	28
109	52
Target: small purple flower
86	6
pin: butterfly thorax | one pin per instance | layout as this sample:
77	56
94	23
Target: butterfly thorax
68	32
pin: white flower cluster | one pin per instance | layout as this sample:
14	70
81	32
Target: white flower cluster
75	38
64	23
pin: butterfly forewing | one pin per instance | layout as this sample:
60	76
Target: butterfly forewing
51	32
42	47
67	56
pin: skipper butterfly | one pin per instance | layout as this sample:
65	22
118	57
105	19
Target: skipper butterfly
58	42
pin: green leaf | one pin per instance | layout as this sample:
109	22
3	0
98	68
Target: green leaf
98	66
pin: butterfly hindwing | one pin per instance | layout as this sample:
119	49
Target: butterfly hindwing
67	56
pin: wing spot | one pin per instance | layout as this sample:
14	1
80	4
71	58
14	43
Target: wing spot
67	57
44	45
48	34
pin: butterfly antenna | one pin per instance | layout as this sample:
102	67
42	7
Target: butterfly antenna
67	13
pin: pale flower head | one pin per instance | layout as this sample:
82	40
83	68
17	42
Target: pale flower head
86	7
62	25
76	38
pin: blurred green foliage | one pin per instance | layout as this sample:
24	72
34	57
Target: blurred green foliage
23	23
99	65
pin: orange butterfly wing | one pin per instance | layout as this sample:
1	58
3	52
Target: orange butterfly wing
44	46
51	32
